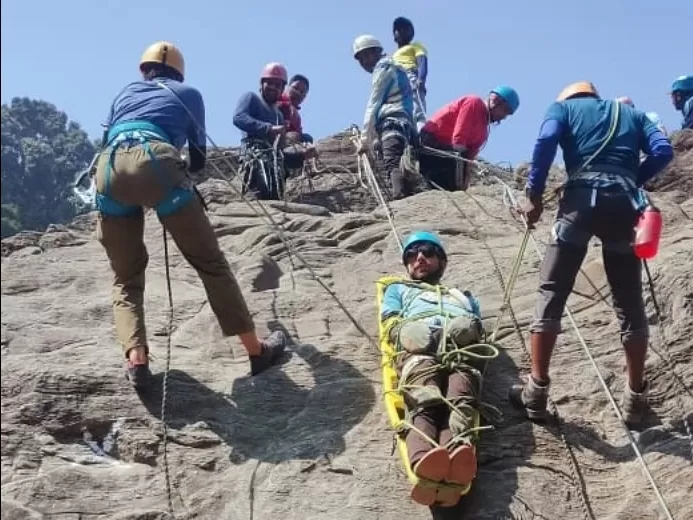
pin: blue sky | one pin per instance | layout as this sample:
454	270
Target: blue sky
78	54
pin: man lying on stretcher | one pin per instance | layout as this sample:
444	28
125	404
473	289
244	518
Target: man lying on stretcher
430	325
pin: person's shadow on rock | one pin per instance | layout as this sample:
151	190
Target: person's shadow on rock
273	417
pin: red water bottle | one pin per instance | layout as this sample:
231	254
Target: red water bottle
648	231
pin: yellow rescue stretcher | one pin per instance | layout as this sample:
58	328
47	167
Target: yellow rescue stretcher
394	401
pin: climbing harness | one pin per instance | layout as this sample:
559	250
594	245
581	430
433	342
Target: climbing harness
260	163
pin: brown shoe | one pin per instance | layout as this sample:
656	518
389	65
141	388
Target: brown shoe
432	467
463	467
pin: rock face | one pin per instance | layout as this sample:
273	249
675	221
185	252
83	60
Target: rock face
309	439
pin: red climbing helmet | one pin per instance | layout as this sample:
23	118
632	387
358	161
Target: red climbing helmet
275	71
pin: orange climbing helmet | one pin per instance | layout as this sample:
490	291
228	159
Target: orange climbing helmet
165	53
275	71
580	87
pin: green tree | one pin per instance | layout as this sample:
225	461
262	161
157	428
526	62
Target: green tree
42	151
11	223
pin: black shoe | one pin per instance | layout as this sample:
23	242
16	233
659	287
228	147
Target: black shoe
138	375
272	349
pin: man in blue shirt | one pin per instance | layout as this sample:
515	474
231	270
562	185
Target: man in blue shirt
682	98
426	321
264	166
601	142
140	166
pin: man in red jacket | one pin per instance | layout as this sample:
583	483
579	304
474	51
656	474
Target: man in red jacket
462	126
290	104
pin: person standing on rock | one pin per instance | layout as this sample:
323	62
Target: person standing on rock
264	161
682	98
413	58
140	166
601	142
462	126
290	106
388	124
429	323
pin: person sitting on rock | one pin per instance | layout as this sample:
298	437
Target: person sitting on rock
652	116
388	124
413	58
462	126
264	162
290	106
139	166
682	98
601	142
426	321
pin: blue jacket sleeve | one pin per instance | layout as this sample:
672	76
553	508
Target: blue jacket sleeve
422	67
383	78
196	133
658	149
392	301
545	149
243	120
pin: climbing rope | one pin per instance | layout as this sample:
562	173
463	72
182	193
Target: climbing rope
164	385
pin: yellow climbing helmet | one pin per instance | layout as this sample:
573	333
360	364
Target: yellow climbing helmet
165	53
580	87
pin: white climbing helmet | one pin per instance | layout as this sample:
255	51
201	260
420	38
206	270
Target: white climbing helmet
365	41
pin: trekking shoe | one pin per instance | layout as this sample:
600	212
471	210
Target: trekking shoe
530	397
138	375
634	405
272	349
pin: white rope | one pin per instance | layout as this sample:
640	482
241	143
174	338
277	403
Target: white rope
373	180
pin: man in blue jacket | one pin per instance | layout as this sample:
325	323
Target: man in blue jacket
682	98
141	166
388	123
264	159
601	142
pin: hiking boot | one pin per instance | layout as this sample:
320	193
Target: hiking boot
531	397
634	405
138	375
272	349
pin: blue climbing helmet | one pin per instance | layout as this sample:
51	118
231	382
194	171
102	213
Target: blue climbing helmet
419	237
509	95
682	84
